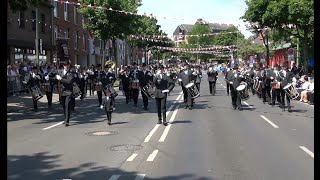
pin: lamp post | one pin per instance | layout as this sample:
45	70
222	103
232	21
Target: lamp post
37	39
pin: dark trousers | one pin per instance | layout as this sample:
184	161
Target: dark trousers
228	87
212	87
161	107
187	97
198	86
235	98
276	95
90	88
49	95
310	97
135	95
145	99
35	103
66	104
72	103
99	97
284	94
127	95
82	89
251	88
266	94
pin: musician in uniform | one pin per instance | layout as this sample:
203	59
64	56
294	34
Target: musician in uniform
163	85
227	73
34	81
67	80
235	79
266	86
275	78
82	84
186	76
250	76
212	78
146	79
286	79
99	74
73	69
108	80
135	77
49	79
256	76
198	77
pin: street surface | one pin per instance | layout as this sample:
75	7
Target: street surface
212	141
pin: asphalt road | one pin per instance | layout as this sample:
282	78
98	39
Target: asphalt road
212	141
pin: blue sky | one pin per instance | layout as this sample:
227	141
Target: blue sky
188	11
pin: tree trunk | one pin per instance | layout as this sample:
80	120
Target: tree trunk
114	45
305	52
267	47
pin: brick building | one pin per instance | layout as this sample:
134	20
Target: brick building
68	23
21	35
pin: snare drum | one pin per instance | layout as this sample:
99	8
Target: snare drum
291	91
45	87
149	90
98	86
193	90
243	91
134	84
36	93
276	85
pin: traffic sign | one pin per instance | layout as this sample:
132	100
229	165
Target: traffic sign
291	51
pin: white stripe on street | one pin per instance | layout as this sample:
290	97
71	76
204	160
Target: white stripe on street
114	177
152	155
131	158
166	130
178	97
307	151
53	125
248	105
140	177
156	127
272	124
181	92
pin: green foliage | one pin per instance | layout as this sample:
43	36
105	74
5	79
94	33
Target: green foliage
22	5
200	29
227	39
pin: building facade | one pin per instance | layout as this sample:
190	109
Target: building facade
21	35
68	24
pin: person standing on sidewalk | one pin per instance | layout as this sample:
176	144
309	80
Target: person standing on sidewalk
67	81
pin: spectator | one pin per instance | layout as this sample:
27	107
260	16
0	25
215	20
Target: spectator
304	96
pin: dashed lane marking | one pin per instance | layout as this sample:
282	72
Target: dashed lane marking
153	155
53	125
166	130
248	105
140	177
114	177
307	151
156	127
131	158
266	119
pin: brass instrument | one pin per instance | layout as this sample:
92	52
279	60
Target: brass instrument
112	63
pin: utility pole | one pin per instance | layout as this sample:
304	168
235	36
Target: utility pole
297	51
37	38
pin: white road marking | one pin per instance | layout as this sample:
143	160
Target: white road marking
248	105
181	92
266	119
53	125
156	127
131	158
153	155
114	177
166	130
178	97
307	151
140	177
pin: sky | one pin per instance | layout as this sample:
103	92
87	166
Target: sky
188	11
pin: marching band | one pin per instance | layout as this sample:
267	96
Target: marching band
157	82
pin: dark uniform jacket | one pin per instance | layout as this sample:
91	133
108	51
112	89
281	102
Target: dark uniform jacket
162	84
67	81
235	80
286	78
186	78
212	75
146	77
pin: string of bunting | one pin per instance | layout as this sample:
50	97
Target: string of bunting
195	49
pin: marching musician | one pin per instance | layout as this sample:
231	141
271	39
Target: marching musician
146	79
163	84
83	76
275	80
256	76
135	76
67	79
265	86
227	72
198	77
250	76
34	81
73	69
286	79
99	75
109	80
49	80
186	76
124	76
235	79
212	78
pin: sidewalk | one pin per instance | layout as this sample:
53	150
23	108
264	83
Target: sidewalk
16	103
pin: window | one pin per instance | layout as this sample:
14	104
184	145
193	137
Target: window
55	34
55	8
66	33
66	18
75	15
33	24
43	21
75	39
84	41
21	19
82	21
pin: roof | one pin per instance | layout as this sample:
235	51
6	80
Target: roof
187	27
215	27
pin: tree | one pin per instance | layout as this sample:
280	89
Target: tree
200	29
109	24
22	5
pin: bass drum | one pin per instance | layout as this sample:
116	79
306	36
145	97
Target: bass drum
193	90
149	90
243	91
